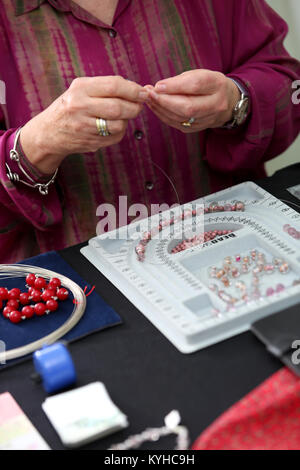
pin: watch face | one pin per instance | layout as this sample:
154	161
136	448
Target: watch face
241	111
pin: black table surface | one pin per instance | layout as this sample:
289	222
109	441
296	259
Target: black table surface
143	372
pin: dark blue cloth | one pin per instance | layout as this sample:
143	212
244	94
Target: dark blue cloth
98	314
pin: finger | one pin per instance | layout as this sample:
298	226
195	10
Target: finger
184	106
193	82
164	118
199	125
111	86
113	108
161	114
113	127
169	114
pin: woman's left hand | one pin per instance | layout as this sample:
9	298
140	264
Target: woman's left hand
208	97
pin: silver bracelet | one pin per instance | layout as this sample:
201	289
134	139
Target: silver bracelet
15	178
172	421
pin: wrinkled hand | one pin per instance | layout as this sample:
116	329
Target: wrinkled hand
68	125
207	96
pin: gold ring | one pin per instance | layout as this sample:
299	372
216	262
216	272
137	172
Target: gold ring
188	123
102	127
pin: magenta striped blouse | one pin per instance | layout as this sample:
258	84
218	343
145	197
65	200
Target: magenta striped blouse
45	44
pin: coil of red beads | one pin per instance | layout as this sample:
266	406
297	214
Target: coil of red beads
40	299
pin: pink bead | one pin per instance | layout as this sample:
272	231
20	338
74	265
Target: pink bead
269	268
270	291
240	206
187	213
292	232
235	272
286	227
280	288
146	235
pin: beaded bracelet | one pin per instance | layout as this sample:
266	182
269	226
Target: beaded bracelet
15	178
172	426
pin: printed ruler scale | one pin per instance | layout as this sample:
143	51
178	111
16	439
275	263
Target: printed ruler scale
173	289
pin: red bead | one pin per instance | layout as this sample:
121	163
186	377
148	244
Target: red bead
13	303
36	295
28	311
15	316
14	293
52	305
30	279
24	298
40	309
31	290
6	311
40	283
48	294
62	294
54	283
3	293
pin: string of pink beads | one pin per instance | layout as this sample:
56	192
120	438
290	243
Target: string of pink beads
199	239
40	299
214	207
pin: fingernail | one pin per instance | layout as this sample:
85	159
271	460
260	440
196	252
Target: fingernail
143	95
160	87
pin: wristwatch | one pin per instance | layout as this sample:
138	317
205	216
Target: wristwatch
241	109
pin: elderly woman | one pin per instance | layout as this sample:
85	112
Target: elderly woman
152	99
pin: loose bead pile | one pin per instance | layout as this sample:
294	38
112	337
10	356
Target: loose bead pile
213	207
254	264
291	231
40	299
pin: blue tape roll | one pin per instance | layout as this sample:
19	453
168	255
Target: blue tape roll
55	366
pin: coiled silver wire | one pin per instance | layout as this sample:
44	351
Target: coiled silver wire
21	270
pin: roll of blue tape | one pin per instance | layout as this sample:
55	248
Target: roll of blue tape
55	366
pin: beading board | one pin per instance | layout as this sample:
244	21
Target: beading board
175	290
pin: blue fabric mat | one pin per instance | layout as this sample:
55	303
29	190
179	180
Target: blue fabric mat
98	314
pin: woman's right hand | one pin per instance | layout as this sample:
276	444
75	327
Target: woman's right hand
68	125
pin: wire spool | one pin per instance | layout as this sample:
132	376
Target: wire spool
21	270
55	367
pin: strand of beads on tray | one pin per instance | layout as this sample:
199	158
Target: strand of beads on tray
199	240
39	299
212	208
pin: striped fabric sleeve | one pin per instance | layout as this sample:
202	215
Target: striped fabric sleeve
261	63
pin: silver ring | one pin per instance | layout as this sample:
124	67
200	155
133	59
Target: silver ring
102	127
188	123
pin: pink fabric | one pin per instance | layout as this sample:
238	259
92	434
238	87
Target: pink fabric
44	45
